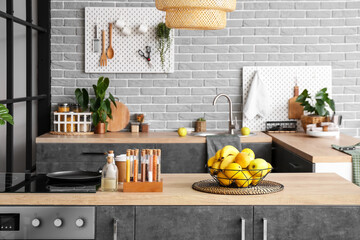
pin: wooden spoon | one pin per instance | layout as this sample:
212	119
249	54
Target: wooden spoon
110	51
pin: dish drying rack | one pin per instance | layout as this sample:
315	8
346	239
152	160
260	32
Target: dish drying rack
72	122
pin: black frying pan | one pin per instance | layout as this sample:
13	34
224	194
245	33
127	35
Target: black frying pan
75	176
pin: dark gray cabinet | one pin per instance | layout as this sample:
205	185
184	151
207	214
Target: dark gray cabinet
307	222
176	158
193	222
287	161
183	158
105	216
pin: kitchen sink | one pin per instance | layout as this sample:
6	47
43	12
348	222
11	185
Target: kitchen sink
204	134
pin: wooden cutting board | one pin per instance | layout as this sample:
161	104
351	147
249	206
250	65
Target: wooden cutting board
121	117
295	109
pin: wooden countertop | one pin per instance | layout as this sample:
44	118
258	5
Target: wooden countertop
300	189
316	150
151	137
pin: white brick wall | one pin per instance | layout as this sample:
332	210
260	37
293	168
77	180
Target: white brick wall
289	32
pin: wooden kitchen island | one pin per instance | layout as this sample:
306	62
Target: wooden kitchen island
312	206
298	152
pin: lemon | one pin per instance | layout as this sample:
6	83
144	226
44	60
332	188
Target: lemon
255	181
223	179
182	132
269	168
233	170
257	166
244	179
243	159
215	168
245	131
250	152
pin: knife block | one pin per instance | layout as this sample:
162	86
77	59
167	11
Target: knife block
143	186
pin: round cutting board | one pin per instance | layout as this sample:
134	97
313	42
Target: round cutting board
121	117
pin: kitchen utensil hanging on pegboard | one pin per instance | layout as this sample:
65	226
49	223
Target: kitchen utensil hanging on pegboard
280	83
126	44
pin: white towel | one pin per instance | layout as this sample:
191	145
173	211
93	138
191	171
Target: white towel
258	100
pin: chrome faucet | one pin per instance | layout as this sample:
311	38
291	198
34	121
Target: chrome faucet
231	123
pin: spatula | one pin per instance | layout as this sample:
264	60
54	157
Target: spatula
110	51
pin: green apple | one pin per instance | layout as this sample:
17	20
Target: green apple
257	166
182	132
245	131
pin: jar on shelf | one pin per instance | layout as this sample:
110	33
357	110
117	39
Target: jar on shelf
135	126
145	127
63	107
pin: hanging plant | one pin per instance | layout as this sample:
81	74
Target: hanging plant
164	41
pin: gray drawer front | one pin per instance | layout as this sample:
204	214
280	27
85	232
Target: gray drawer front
286	161
83	156
193	222
183	158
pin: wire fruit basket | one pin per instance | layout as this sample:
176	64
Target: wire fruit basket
239	178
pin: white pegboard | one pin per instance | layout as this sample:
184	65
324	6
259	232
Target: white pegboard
280	83
126	58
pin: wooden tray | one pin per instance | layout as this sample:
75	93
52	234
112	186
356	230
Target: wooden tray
143	186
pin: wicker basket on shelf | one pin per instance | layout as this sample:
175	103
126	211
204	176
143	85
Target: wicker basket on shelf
196	14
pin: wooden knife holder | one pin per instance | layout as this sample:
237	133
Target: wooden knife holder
143	186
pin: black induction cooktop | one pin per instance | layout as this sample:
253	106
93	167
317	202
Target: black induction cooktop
30	183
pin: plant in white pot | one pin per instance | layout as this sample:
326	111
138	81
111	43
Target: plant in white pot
5	116
317	107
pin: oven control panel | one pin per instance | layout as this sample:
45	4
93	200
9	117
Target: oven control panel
47	222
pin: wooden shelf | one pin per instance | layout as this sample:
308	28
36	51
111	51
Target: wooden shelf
151	137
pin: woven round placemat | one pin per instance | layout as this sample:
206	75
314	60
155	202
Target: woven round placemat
264	187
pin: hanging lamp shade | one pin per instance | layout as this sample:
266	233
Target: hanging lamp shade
196	14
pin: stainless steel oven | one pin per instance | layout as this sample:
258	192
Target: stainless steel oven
47	222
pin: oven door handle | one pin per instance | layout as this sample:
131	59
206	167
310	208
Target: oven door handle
115	228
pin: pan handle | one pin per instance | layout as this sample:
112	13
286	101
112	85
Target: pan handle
94	153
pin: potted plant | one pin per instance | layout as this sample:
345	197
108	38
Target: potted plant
99	105
5	116
164	41
317	107
200	125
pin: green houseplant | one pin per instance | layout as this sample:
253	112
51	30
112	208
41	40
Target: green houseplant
164	41
99	105
318	107
5	116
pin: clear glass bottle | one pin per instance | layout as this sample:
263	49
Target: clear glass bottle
109	177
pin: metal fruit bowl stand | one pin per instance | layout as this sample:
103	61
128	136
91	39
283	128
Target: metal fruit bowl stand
238	176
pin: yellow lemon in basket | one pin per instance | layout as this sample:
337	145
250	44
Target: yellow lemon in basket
255	181
269	168
250	152
244	179
223	179
233	170
243	159
215	168
256	167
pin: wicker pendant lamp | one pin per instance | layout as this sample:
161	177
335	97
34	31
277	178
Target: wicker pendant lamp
196	14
